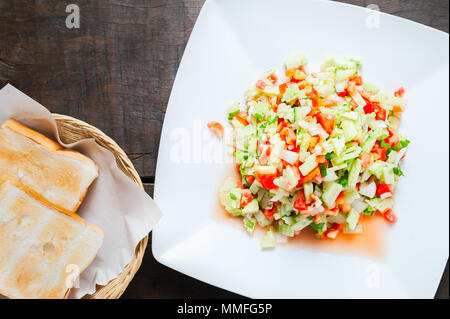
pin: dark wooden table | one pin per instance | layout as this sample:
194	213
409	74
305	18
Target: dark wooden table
116	72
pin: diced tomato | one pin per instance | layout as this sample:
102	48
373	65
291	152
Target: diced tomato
399	92
346	208
318	179
381	151
369	108
288	135
393	139
273	78
340	199
330	102
216	127
366	95
300	204
314	95
313	142
270	212
321	159
260	85
343	93
294	149
366	160
360	218
331	212
351	89
381	113
315	172
250	179
283	88
353	104
317	218
327	121
397	109
241	119
266	177
290	72
357	79
390	216
281	124
246	198
384	188
375	107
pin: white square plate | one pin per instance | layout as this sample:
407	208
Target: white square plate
232	44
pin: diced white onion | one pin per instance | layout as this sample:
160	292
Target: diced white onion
288	156
359	205
340	86
368	189
331	176
279	238
385	195
318	150
316	210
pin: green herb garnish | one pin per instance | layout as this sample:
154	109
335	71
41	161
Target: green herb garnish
329	156
368	211
398	171
344	179
323	169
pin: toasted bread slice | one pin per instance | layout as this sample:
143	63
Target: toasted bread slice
57	176
41	249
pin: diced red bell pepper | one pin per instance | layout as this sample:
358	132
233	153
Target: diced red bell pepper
384	188
390	216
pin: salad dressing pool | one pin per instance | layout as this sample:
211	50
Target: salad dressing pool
371	243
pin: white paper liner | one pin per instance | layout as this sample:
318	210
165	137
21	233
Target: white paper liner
114	202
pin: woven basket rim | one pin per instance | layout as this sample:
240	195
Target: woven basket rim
77	128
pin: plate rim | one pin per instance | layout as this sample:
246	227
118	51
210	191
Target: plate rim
179	267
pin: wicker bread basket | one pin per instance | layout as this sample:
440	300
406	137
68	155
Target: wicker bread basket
72	130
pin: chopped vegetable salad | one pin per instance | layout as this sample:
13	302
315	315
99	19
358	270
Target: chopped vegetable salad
317	149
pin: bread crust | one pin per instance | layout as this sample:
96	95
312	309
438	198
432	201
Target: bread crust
47	143
52	147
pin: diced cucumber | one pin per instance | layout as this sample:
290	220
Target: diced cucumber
309	164
331	192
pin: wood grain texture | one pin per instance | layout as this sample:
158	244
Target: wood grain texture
116	73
